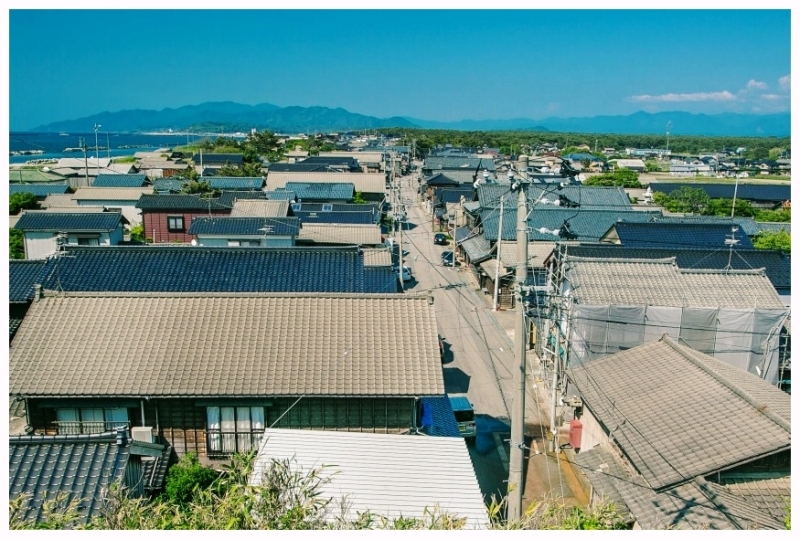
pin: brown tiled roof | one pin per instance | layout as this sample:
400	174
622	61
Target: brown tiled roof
377	257
260	208
366	182
173	345
661	282
341	234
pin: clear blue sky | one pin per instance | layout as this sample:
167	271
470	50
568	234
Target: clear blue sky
435	64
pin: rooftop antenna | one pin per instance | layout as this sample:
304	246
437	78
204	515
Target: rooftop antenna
731	242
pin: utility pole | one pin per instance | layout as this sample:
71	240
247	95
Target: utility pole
497	254
82	143
517	445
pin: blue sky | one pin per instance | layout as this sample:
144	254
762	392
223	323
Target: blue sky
428	64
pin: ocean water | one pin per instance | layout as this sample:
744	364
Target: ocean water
110	144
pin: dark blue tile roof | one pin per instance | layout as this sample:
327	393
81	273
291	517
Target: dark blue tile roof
22	275
39	191
233	183
340	217
747	191
298	167
83	466
453	196
321	191
218	158
336	161
280	194
120	180
462	233
776	264
257	226
172	202
748	224
212	269
380	279
68	222
440	179
660	234
164	185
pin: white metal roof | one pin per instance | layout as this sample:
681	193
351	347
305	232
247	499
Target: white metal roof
387	474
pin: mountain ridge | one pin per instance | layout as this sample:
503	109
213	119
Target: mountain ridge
234	116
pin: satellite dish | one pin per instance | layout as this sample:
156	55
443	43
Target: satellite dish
194	243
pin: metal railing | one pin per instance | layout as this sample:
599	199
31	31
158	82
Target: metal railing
89	427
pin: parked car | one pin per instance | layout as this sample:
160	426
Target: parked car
440	239
448	258
465	416
407	275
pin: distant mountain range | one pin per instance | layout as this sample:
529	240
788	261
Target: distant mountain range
232	117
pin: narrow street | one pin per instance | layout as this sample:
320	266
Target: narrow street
479	357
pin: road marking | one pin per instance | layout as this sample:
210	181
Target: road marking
501	448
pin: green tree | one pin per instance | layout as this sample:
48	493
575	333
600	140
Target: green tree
780	240
722	207
652	166
16	246
685	200
263	144
620	178
201	187
186	478
137	232
22	201
773	216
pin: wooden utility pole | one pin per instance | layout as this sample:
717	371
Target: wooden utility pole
517	446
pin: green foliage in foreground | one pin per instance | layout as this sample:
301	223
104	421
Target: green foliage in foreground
285	500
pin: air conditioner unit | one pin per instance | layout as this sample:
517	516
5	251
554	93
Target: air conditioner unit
142	434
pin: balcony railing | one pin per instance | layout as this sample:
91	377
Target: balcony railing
89	427
227	443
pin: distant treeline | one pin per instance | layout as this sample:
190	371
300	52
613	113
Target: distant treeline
516	142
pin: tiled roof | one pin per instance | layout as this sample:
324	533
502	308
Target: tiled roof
380	279
340	234
321	191
64	200
697	505
589	225
68	221
777	265
377	257
22	276
538	252
365	182
256	226
111	193
180	202
340	217
469	163
340	207
84	466
168	184
661	282
660	234
453	196
120	180
462	233
233	183
335	160
747	191
441	179
747	224
280	194
589	197
218	158
463	177
38	190
442	420
298	167
372	471
260	208
477	248
245	345
675	381
207	269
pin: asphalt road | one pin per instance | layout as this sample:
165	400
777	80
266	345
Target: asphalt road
478	351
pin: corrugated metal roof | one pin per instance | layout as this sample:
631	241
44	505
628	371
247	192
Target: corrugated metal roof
205	345
389	475
677	381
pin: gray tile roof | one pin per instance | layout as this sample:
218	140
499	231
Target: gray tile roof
194	345
589	197
661	282
538	252
377	257
697	505
111	193
321	191
747	224
477	248
66	221
648	399
260	208
365	182
82	466
340	234
252	226
120	180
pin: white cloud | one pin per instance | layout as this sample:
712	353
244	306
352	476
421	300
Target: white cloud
774	97
691	97
785	83
753	84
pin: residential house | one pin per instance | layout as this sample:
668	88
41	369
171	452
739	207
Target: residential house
183	269
245	231
208	372
235	183
40	191
83	466
298	154
120	180
120	199
434	164
356	214
636	165
163	167
166	186
760	196
23	274
339	234
613	304
298	167
217	160
660	234
370	471
44	231
338	163
372	186
369	161
332	193
644	439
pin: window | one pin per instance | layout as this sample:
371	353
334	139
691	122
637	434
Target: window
175	223
296	206
90	420
327	207
244	243
234	429
88	241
